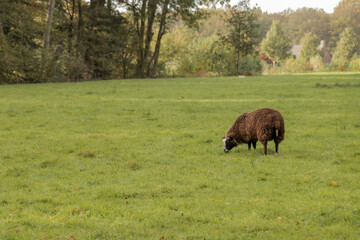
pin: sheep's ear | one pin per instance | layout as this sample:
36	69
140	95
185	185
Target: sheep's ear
223	137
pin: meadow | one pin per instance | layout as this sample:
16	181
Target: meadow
143	159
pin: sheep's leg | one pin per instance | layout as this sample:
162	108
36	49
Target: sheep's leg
265	147
249	146
254	144
276	147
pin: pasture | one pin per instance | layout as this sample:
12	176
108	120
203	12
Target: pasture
143	159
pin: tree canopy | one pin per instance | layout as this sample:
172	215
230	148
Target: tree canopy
276	44
309	44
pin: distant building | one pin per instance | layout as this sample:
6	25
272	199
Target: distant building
325	52
296	49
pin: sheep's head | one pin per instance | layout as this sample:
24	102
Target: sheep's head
229	143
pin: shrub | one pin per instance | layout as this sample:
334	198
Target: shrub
355	65
250	65
318	64
338	64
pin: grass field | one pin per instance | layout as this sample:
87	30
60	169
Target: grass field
143	159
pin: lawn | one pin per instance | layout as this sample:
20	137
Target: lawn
143	159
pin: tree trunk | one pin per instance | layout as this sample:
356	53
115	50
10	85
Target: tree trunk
161	32
3	41
48	31
2	36
237	62
124	65
141	33
152	6
78	30
71	27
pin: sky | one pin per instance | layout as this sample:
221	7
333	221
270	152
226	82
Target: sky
272	6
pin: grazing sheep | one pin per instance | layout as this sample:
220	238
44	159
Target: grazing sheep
262	125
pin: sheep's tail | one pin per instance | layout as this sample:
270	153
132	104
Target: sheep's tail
277	127
279	130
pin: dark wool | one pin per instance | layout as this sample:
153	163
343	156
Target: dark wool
262	125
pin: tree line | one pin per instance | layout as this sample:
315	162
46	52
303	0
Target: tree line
72	40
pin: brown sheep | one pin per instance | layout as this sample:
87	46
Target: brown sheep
262	125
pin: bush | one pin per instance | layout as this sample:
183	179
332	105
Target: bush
355	65
338	64
318	64
77	70
300	65
250	65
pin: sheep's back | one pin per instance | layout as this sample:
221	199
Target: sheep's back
265	120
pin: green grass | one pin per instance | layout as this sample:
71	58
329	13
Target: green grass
133	159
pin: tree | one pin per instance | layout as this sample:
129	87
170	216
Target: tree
146	13
305	20
266	19
48	30
103	30
70	9
21	38
347	46
175	48
346	14
309	44
79	29
242	29
276	44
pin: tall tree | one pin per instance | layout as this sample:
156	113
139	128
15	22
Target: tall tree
97	43
309	44
243	29
276	44
162	29
79	29
48	30
347	46
70	9
346	14
21	37
304	20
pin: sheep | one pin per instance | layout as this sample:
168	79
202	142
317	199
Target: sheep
262	125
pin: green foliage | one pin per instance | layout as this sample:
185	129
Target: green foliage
242	28
355	65
214	23
298	23
276	44
185	53
301	65
174	50
20	30
206	54
309	44
345	49
318	64
250	65
346	14
143	159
